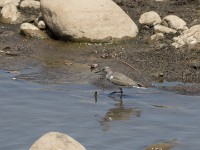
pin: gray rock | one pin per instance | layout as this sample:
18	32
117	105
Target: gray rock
30	4
88	20
190	38
195	64
156	37
40	23
30	30
5	2
10	14
150	18
162	145
174	22
163	29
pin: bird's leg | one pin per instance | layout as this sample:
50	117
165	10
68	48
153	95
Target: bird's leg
121	90
95	96
121	102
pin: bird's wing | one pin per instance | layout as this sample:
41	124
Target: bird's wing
121	79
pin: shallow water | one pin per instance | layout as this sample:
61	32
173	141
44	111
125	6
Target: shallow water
146	116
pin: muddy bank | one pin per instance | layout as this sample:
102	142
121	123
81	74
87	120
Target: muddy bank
57	62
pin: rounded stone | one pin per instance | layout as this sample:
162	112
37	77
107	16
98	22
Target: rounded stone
190	37
5	2
30	30
30	4
150	18
163	29
9	14
174	22
40	23
56	141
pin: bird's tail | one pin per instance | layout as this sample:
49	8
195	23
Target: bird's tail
139	86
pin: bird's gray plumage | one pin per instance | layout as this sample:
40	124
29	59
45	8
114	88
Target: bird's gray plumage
119	79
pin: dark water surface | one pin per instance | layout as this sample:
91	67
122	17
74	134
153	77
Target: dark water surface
147	116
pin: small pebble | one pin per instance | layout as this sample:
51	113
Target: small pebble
195	64
68	63
93	66
160	74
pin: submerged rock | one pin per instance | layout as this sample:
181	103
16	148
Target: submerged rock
30	30
56	141
162	146
88	20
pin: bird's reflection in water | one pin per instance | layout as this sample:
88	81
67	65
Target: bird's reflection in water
119	113
116	97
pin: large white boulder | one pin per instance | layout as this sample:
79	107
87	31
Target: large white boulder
9	14
87	20
5	2
174	22
190	38
150	18
56	141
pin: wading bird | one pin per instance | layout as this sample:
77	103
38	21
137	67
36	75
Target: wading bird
118	79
